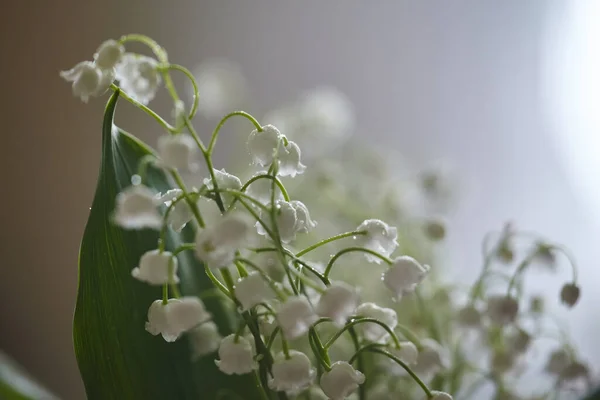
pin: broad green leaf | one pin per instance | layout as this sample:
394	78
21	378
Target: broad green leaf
16	384
117	358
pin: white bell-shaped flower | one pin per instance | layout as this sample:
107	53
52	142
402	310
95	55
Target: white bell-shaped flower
136	208
295	317
303	222
205	339
292	374
177	151
557	362
519	341
432	357
86	79
181	213
341	380
379	237
225	181
236	356
263	145
138	76
267	325
469	317
289	160
575	370
372	331
216	244
109	54
502	309
569	294
252	290
437	395
154	268
175	317
260	189
407	352
338	302
404	275
286	219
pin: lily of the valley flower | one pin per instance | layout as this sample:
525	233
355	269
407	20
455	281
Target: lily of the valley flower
304	223
341	380
224	181
286	219
295	317
260	189
88	79
289	160
136	208
205	339
469	316
502	309
557	362
404	275
177	151
236	356
432	357
379	237
338	302
437	395
175	317
263	145
109	54
252	290
138	76
372	331
569	294
216	244
154	268
291	374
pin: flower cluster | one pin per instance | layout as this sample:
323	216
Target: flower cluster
317	336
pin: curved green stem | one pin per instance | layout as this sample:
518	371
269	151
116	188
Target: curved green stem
217	283
329	240
284	192
361	320
265	276
520	270
144	108
192	79
353	249
215	134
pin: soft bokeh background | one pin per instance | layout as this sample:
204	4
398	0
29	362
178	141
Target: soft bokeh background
504	90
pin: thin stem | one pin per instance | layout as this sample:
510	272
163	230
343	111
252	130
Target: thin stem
184	247
265	276
357	321
272	337
217	283
321	350
165	294
142	107
284	192
520	270
409	335
215	134
257	217
258	383
193	206
362	389
192	79
406	368
353	249
329	240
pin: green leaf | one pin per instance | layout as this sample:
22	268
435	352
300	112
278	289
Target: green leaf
117	358
15	383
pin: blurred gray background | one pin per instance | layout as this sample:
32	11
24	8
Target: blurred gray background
497	88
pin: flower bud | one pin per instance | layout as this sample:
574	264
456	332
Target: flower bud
86	78
289	160
569	294
502	310
338	302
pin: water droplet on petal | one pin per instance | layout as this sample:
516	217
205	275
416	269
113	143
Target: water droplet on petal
136	179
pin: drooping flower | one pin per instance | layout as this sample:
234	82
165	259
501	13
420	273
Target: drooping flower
205	339
181	213
216	244
379	237
260	189
303	222
86	78
175	317
154	268
252	290
295	317
136	208
236	356
177	151
290	160
432	357
404	275
286	219
338	302
224	181
138	76
557	362
291	374
569	294
263	145
575	370
502	361
469	316
341	380
519	341
502	309
372	331
437	395
109	54
407	352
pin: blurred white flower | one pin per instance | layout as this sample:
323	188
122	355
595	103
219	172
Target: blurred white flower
109	54
154	268
519	341
432	357
236	356
286	219
407	352
557	362
502	309
216	244
222	88
295	316
260	189
88	80
175	317
138	76
205	339
469	316
341	380
303	222
291	374
290	160
372	331
252	290
136	208
437	395
404	275
224	181
569	294
338	302
379	237
177	151
263	145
